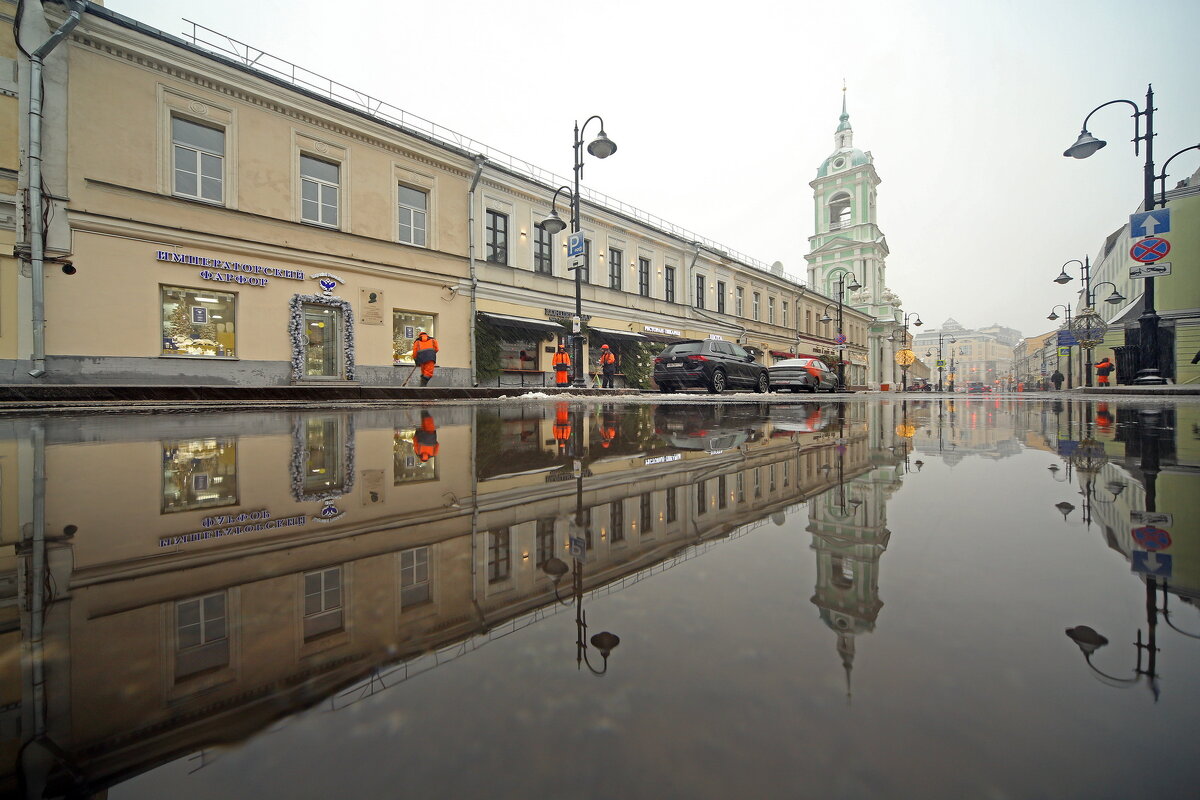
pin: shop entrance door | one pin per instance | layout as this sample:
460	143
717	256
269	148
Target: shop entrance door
323	350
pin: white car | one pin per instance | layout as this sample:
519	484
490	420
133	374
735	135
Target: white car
809	374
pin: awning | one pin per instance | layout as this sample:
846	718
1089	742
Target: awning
608	333
782	354
663	338
504	320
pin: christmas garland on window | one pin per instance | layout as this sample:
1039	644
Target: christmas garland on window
299	335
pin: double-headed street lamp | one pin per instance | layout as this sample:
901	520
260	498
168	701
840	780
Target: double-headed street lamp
1149	366
600	147
1090	325
901	359
854	286
941	363
1052	317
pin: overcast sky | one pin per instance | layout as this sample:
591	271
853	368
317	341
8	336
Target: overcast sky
723	111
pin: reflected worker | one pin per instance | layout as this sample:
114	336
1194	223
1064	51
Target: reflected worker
425	350
562	426
425	441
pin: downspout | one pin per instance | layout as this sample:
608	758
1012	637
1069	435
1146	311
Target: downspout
37	251
479	162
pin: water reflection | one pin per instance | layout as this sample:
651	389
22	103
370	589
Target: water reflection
247	566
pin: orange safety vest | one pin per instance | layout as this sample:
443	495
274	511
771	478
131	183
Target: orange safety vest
426	361
561	361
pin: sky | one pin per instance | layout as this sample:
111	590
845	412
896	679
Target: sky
723	112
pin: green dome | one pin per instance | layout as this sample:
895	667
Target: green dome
851	157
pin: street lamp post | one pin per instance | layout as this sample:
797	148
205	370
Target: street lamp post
600	147
892	337
841	339
940	362
1052	317
1089	306
1149	368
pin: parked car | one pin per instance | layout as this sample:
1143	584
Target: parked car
976	386
708	364
809	374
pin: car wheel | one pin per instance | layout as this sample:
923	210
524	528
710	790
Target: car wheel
764	383
717	384
666	388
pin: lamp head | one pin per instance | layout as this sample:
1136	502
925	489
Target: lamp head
1063	277
1053	316
854	285
1115	297
553	223
602	146
1084	146
826	319
605	642
556	568
1087	639
918	323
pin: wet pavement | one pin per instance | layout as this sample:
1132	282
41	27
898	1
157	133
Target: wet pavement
854	596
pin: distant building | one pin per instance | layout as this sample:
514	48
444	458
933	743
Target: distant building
972	356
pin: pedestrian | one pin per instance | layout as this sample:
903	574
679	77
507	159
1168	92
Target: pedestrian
562	426
1103	368
425	441
608	367
425	350
1057	378
562	366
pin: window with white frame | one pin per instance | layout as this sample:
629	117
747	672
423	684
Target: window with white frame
785	313
319	187
415	583
700	285
739	301
543	250
413	214
771	310
198	160
322	602
499	555
201	635
755	307
495	236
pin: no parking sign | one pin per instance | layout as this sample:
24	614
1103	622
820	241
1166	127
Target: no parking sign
1152	538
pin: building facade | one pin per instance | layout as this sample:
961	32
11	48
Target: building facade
209	220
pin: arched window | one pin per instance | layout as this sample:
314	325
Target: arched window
839	211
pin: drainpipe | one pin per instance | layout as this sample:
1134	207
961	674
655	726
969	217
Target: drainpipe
479	162
36	226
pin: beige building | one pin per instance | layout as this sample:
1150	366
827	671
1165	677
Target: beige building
210	221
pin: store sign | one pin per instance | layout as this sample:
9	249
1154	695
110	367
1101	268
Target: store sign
221	271
717	337
555	313
667	331
663	459
218	527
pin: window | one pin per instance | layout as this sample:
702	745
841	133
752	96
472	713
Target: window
406	326
644	277
672	510
614	268
585	272
700	291
199	473
499	556
785	313
757	483
617	512
545	541
739	302
201	635
414	215
414	577
755	308
839	211
322	602
722	492
647	521
808	320
543	250
771	310
319	191
720	297
741	488
496	237
701	498
323	455
197	323
199	162
670	285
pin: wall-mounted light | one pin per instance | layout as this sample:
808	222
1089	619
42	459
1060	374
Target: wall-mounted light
522	232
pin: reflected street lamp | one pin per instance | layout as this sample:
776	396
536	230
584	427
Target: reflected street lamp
600	147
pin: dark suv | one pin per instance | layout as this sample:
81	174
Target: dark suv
710	364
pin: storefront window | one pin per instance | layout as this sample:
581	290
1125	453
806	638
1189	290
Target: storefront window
405	327
519	352
197	323
323	327
407	465
199	473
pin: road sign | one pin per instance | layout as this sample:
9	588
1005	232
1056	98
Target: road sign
1064	351
839	347
575	244
1158	564
941	362
1149	250
1150	270
840	338
1149	223
1066	338
1152	538
1151	518
578	548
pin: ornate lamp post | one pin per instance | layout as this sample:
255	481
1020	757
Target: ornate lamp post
1149	366
600	147
1089	326
854	286
905	357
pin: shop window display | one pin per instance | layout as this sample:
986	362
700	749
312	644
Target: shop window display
520	354
405	327
198	323
199	473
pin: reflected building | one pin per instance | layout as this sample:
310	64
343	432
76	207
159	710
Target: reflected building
202	576
958	429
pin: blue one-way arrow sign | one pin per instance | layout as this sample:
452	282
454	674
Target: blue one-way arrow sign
1150	223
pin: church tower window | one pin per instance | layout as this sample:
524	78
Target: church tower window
839	211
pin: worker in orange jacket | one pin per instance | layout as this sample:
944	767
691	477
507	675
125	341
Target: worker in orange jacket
562	426
608	367
1103	368
561	364
424	354
425	441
